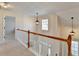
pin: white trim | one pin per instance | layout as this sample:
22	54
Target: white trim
22	43
40	49
27	47
37	54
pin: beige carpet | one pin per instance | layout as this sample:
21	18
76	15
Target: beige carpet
14	48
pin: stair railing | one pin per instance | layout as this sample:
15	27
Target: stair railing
68	40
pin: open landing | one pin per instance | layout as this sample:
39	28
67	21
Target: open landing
13	48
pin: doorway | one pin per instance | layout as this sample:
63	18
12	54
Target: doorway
9	28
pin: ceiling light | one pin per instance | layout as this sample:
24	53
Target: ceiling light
5	5
37	21
72	31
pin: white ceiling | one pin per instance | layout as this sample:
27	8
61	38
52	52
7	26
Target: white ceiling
30	8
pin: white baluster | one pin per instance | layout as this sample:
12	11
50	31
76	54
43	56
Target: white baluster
39	49
49	50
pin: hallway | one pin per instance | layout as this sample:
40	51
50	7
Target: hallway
13	48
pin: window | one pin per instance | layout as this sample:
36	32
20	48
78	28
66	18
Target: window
45	24
75	48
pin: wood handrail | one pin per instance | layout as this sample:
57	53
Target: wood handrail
53	37
68	40
22	30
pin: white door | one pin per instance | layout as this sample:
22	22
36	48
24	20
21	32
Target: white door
9	28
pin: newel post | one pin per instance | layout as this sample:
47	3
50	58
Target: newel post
69	42
28	38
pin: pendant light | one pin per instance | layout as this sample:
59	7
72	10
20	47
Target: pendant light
72	31
5	5
37	21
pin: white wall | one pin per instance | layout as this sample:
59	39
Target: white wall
29	23
52	25
18	16
66	22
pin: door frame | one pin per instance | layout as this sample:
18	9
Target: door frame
4	26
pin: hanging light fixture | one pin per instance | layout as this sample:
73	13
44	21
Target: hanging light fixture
72	31
5	5
37	21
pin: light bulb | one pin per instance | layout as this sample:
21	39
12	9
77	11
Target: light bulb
5	6
72	33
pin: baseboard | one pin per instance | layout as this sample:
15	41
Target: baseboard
36	54
22	43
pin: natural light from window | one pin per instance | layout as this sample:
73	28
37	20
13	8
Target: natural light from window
45	24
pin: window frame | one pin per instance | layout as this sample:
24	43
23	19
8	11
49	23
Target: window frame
47	24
